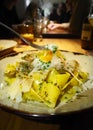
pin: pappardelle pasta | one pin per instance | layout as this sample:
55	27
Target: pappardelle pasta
44	76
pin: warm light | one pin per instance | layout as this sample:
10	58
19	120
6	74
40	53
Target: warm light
28	2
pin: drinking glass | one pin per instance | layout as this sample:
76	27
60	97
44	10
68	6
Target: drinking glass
45	23
38	29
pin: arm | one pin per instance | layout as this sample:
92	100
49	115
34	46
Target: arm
80	11
53	26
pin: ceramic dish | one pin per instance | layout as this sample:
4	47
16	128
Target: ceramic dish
6	44
34	110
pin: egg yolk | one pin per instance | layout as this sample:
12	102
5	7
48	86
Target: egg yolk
45	55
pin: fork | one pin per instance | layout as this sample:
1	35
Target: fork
22	38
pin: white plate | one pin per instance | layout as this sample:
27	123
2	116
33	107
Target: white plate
6	44
33	109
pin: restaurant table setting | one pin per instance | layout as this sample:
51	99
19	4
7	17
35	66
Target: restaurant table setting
13	48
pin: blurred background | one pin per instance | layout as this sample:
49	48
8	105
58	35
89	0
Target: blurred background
47	6
16	12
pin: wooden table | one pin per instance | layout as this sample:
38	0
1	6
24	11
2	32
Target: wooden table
65	44
59	33
73	45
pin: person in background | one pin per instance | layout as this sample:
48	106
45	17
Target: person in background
8	13
52	15
58	13
80	11
8	16
68	11
32	11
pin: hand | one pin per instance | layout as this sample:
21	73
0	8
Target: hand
53	26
